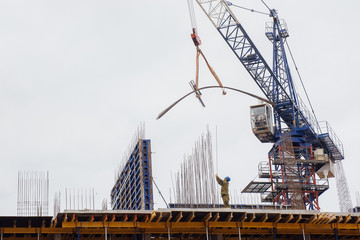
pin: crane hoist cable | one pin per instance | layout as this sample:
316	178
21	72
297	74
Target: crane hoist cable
197	42
192	14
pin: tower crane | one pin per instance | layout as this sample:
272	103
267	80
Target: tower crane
304	150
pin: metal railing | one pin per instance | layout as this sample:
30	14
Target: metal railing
322	127
325	128
264	170
308	116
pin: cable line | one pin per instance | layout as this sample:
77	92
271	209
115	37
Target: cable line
302	83
266	5
192	13
249	9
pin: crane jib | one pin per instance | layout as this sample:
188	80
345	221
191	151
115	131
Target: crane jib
245	50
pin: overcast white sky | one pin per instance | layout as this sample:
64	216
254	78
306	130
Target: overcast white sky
77	77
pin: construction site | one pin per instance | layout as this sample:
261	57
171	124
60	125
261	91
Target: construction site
238	153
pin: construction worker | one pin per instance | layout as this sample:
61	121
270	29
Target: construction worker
224	190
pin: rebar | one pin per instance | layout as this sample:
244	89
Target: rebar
195	182
33	193
104	204
57	203
79	199
139	134
342	186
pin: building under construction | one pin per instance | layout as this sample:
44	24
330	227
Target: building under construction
195	213
304	154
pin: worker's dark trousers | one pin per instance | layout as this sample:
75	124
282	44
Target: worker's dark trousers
225	198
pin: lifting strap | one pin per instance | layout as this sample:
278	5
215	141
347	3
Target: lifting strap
198	53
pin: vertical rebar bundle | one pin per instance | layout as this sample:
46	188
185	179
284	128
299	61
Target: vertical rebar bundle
139	134
33	193
57	200
79	199
195	182
342	188
104	205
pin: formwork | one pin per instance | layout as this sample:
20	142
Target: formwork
133	188
185	224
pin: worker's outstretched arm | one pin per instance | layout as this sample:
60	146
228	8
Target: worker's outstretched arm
219	180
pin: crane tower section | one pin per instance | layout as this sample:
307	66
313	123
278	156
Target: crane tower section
303	147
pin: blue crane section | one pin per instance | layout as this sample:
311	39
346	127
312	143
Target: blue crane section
291	118
276	83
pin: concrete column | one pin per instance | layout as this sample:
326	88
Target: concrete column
216	237
146	236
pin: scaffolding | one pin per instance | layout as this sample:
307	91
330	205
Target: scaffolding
291	174
291	189
133	188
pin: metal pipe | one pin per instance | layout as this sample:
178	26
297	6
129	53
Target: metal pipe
167	205
93	200
335	233
303	234
275	233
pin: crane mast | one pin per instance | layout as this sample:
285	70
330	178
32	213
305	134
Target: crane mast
303	153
